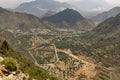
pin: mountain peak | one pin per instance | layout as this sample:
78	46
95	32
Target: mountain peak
68	9
69	18
68	15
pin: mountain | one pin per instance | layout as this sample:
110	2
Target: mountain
105	37
109	29
105	15
18	21
102	44
69	18
40	7
65	15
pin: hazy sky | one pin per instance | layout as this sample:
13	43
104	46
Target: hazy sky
84	4
112	2
94	5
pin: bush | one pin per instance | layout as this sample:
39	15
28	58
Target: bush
10	64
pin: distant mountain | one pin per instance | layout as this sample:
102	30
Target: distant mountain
105	15
67	15
69	18
14	24
18	21
40	7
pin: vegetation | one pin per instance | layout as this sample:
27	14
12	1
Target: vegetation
104	41
10	64
15	59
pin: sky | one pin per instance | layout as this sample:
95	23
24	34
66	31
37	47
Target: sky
92	5
112	2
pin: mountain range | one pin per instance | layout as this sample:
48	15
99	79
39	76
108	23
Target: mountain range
40	7
23	22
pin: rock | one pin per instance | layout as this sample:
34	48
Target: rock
10	76
13	73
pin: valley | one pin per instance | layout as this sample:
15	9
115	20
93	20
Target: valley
66	56
58	43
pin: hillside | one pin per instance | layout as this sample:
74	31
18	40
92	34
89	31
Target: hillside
108	30
105	15
14	65
18	20
69	18
105	38
13	25
65	16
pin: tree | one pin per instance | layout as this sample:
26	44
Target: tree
5	45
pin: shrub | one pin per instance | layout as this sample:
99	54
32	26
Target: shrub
10	64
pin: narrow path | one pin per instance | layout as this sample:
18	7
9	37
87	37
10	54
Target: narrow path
56	52
35	61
